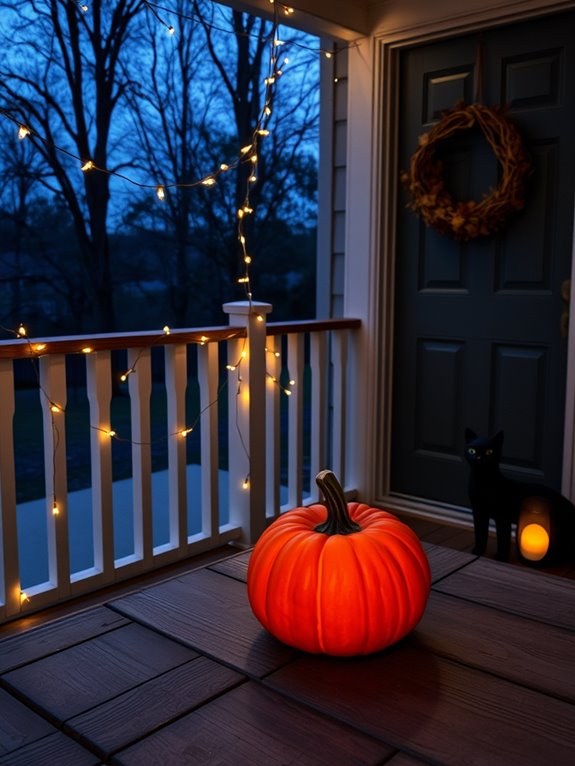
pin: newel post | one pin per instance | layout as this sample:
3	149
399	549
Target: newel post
246	419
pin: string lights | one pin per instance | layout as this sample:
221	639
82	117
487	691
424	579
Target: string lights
247	155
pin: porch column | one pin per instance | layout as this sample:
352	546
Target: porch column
246	418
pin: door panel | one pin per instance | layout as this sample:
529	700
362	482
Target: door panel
477	324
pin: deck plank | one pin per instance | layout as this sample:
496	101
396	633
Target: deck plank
55	750
435	709
211	613
134	714
78	678
234	566
525	651
50	638
19	726
253	726
515	589
445	561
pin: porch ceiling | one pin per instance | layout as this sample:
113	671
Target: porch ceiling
345	19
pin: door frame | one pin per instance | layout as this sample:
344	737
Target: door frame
387	50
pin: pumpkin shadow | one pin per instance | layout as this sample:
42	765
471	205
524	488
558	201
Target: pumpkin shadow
391	694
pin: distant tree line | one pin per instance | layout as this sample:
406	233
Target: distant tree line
91	252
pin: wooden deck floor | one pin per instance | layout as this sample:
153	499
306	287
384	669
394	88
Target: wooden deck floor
181	673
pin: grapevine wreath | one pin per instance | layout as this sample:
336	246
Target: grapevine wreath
432	200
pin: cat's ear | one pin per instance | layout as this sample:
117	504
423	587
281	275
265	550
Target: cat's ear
470	434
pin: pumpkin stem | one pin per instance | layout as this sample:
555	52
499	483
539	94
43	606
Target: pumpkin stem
338	520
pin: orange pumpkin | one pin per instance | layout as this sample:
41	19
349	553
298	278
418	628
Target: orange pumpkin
352	584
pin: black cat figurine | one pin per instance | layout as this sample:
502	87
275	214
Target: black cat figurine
494	496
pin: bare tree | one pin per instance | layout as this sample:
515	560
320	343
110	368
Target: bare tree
63	81
201	104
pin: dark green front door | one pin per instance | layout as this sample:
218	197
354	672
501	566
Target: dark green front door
478	338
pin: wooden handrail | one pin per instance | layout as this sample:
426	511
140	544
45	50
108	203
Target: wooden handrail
25	348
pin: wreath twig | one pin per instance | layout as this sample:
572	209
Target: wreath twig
432	200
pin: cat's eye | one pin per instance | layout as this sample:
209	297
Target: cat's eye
471	451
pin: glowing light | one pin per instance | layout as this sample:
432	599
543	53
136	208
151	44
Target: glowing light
263	132
279	42
23	131
246	484
185	431
328	54
248	259
534	542
224	167
292	382
39	346
231	367
166	330
267	111
111	434
203	340
87	350
252	179
24	597
245	149
84	8
260	318
209	181
270	80
171	30
243	280
89	165
56	407
55	509
22	331
161	193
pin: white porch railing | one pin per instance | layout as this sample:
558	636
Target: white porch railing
257	454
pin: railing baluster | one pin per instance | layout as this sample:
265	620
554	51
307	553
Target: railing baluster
9	569
339	371
273	433
53	393
246	416
295	361
176	382
140	391
208	374
99	391
319	375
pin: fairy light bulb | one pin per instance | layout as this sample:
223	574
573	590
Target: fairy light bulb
55	407
23	131
39	347
224	167
263	132
87	350
267	111
89	165
161	193
252	179
55	509
327	54
247	259
171	30
166	330
209	181
22	331
110	433
184	432
246	483
245	149
23	597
